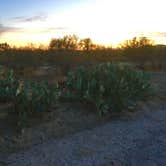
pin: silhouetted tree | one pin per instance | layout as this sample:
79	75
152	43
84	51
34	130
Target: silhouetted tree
4	46
68	42
144	41
138	50
137	42
86	44
56	44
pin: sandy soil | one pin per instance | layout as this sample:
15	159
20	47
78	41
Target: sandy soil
139	140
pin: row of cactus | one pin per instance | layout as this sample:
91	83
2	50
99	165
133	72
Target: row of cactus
27	97
110	87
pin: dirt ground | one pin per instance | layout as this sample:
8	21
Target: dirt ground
137	139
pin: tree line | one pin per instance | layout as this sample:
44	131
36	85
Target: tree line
73	42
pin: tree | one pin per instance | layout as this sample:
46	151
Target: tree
86	44
68	42
138	49
137	42
144	41
56	44
4	46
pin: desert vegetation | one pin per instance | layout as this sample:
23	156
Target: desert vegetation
109	87
110	78
37	81
71	51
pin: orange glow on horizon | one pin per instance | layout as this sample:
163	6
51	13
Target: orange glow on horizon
21	40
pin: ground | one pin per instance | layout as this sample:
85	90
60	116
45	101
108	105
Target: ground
136	140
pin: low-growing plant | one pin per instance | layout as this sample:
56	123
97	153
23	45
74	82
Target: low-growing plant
8	86
26	97
110	87
32	98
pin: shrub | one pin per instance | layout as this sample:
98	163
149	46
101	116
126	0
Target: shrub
8	86
32	97
27	97
110	87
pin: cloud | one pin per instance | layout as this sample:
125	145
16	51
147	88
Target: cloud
4	29
159	34
58	28
38	17
52	29
149	34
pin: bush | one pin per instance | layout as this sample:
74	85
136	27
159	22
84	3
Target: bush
8	86
32	97
110	87
27	97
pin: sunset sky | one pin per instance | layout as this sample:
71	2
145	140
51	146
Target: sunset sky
105	21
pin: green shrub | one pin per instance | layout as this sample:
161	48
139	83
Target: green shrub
110	87
37	96
8	86
27	98
32	98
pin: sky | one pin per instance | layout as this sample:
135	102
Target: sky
106	22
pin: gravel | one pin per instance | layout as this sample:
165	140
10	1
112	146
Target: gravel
138	141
